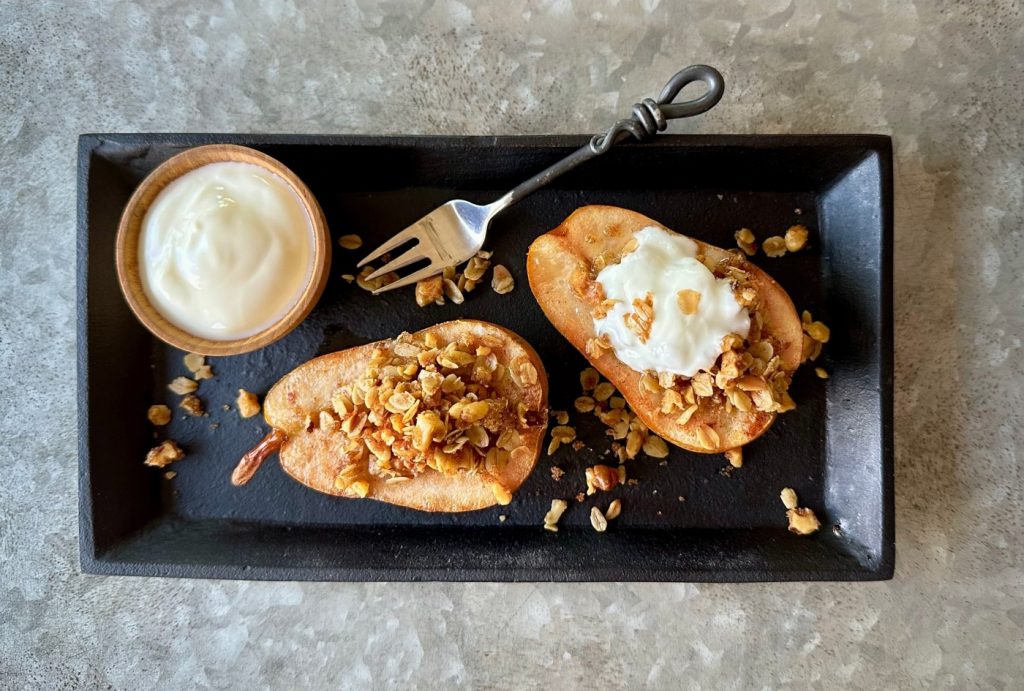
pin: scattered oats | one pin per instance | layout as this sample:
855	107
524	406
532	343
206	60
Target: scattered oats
680	498
775	246
551	518
476	268
193	405
820	371
788	497
796	238
798	211
501	493
553	445
805	317
557	473
735	457
159	415
802	521
707	437
614	509
163	455
193	361
564	432
502	281
584	404
603	391
183	385
452	292
598	520
502	518
561	417
204	372
655	447
348	278
617	402
350	242
430	291
589	379
818	331
248	404
170	474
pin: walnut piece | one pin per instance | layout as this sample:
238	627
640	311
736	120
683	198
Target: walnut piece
247	403
159	415
775	246
796	238
193	405
163	455
802	521
602	477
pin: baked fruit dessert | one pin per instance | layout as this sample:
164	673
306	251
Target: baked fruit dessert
450	418
701	343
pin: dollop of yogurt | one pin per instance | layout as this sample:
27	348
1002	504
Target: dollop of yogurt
662	265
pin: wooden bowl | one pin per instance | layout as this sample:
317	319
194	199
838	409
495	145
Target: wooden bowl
127	250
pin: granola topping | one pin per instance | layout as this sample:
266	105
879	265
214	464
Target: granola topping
427	406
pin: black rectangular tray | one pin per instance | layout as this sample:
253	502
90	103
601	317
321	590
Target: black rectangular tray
684	521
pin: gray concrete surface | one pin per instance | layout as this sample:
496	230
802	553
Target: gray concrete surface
943	78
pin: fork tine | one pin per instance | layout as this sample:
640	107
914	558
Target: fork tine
397	240
415	277
408	257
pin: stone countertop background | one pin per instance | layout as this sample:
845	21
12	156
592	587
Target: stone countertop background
943	78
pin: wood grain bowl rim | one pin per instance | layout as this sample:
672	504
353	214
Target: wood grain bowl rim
127	247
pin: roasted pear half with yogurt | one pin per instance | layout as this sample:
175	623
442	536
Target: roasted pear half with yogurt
701	343
448	419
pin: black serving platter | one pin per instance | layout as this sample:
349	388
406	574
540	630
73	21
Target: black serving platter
684	521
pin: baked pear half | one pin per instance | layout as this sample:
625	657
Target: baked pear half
446	419
724	405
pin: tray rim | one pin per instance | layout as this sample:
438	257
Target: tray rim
108	563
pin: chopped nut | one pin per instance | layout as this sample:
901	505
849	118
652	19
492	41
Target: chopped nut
655	446
598	520
614	509
788	497
163	455
603	391
558	507
746	241
735	457
159	415
802	521
556	473
775	246
796	238
192	405
589	378
183	385
204	372
502	281
821	372
193	361
350	242
584	404
688	300
601	477
247	403
430	291
170	474
502	518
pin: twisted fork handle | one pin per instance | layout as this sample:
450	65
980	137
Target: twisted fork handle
649	117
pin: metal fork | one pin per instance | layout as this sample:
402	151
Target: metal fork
453	233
